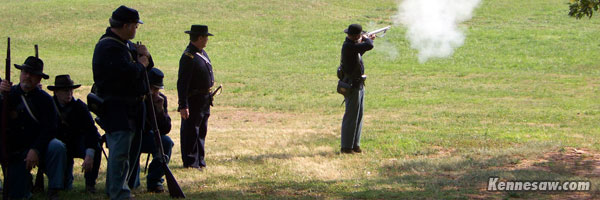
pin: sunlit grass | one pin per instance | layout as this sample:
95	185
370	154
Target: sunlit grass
525	83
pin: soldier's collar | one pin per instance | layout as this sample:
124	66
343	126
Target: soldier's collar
32	91
192	48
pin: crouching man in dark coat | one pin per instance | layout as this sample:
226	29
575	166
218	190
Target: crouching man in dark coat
32	125
77	130
154	180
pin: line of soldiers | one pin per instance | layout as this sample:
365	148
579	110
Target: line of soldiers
49	132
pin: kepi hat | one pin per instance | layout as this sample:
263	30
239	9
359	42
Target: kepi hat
155	77
126	15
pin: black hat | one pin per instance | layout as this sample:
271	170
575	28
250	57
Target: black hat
155	77
199	30
33	65
353	29
126	15
63	82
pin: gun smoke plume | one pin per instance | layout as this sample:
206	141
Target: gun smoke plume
432	25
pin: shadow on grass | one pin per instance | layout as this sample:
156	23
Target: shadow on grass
444	178
260	159
418	178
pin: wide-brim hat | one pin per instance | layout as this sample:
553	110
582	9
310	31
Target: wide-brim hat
126	15
33	65
353	29
63	82
199	30
155	77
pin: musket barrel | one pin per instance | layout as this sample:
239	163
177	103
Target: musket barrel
380	30
7	72
4	124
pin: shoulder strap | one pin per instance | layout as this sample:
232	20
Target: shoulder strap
203	58
114	39
60	116
29	109
120	42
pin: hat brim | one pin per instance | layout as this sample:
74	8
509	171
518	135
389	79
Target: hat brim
139	21
53	87
346	31
190	32
158	86
28	68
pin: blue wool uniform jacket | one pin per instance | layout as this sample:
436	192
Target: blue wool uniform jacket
352	64
195	78
23	131
120	80
76	124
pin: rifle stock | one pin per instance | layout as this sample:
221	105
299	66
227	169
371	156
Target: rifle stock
174	189
3	150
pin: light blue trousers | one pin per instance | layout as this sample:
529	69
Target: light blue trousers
18	178
122	151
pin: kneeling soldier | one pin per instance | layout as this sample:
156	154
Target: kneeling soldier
32	125
77	130
155	172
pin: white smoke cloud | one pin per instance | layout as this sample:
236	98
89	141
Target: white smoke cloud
432	25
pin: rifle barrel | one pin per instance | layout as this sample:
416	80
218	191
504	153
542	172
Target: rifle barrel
4	123
7	72
379	30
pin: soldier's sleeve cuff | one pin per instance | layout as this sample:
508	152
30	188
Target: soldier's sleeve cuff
90	152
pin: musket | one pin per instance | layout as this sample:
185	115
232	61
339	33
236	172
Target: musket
3	150
174	189
39	177
381	30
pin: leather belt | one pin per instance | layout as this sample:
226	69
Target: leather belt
200	92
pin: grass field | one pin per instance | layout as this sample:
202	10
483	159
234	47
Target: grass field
519	100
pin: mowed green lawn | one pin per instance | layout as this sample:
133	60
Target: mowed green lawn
519	100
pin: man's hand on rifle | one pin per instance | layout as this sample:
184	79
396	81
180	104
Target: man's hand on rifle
372	36
143	60
5	86
143	54
185	113
31	160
